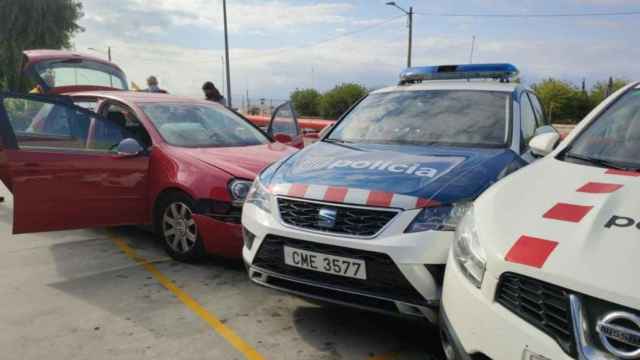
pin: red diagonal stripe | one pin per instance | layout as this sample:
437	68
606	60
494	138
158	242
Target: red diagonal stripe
298	190
335	194
531	251
379	198
623	173
568	212
425	203
599	188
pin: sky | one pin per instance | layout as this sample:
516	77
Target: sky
277	46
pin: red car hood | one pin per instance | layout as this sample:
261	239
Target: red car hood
242	162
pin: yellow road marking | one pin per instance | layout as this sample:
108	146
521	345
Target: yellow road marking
232	338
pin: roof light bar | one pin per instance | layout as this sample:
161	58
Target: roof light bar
457	72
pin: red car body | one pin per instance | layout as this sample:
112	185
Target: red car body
58	189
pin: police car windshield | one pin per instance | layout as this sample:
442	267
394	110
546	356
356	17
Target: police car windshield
613	140
426	117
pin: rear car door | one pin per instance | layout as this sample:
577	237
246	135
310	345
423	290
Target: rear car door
284	127
60	163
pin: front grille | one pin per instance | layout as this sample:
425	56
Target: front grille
384	279
543	305
349	220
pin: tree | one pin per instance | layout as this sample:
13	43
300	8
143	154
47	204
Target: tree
602	89
338	100
306	102
33	24
559	99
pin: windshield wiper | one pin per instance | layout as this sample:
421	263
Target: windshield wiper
338	141
599	162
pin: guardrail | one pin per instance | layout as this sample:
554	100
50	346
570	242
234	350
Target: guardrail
310	124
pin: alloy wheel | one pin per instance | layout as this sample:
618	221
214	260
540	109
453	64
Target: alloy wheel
179	229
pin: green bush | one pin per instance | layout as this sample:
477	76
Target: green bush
306	102
339	99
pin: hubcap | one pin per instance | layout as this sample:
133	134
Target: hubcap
179	229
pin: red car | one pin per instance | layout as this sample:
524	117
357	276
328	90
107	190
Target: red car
85	155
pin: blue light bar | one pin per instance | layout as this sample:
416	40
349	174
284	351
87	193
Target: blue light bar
457	72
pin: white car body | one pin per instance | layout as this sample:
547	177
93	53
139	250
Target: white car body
567	228
416	260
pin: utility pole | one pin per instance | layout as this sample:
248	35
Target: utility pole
109	53
222	67
473	48
410	23
226	52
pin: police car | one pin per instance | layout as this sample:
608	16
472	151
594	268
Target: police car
365	217
545	263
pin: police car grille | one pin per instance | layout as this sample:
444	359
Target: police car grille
384	279
349	220
543	305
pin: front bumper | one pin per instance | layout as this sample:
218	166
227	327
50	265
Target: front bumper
218	237
396	259
482	326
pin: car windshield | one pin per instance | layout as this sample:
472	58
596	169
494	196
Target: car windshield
451	117
200	125
80	72
613	140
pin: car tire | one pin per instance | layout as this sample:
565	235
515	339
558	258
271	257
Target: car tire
177	229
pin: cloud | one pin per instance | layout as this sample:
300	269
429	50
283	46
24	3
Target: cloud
125	16
161	37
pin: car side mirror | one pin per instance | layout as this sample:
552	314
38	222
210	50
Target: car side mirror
543	144
129	147
283	138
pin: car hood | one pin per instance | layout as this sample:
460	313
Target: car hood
438	174
568	224
241	162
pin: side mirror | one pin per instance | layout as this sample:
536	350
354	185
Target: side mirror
543	144
129	147
283	138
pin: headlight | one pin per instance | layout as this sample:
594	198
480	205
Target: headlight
259	196
239	190
467	251
441	218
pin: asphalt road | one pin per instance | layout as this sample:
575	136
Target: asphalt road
113	294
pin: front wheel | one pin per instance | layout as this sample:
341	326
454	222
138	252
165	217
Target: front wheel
177	228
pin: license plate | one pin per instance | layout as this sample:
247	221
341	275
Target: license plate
329	264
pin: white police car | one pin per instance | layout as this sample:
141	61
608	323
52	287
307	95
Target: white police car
365	217
545	264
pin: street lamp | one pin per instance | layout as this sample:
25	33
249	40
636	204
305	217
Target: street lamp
102	52
410	15
226	53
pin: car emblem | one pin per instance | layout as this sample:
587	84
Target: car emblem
619	332
327	218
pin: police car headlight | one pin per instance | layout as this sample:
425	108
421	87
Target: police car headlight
440	218
259	196
467	251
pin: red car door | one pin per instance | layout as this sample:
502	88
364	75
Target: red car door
61	164
284	127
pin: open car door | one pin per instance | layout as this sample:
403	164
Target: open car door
67	167
284	127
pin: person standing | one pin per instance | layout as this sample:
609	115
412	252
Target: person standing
153	87
211	93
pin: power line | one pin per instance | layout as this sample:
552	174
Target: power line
533	15
343	35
